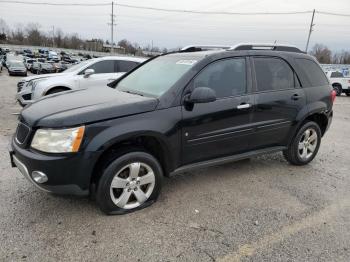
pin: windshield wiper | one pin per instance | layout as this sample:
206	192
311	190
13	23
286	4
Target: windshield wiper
132	92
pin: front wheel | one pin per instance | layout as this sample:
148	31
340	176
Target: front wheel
131	182
348	93
304	145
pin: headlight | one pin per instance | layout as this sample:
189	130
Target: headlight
58	140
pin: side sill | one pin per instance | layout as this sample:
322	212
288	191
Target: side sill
227	159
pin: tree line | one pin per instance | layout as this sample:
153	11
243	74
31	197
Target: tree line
31	34
325	56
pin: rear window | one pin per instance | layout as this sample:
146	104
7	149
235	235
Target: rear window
312	72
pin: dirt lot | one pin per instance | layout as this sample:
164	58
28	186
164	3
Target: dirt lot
262	209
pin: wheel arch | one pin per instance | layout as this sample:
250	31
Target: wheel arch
149	142
47	90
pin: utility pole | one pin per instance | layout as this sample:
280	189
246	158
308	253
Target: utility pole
53	36
310	30
112	24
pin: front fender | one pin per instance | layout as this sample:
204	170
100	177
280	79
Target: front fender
165	129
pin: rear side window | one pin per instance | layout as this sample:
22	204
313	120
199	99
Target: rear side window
226	77
273	74
313	73
126	66
103	67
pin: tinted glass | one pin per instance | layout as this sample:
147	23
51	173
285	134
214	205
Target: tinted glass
125	66
337	74
103	67
273	74
157	76
226	77
312	72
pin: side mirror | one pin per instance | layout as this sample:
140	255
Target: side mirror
201	95
89	72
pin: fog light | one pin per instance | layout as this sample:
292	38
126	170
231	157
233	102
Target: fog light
39	177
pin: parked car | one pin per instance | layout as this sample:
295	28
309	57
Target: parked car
46	68
29	62
90	73
16	68
174	113
339	83
35	67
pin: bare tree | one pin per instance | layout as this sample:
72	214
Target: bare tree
322	53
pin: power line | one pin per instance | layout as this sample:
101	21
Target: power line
212	12
53	4
334	14
174	10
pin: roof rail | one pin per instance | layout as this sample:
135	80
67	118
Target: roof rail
259	46
195	48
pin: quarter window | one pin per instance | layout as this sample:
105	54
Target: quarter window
226	77
273	74
312	72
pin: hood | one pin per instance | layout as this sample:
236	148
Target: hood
85	106
28	78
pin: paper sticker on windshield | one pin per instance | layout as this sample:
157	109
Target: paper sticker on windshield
186	62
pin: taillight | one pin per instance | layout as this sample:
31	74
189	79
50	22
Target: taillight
333	95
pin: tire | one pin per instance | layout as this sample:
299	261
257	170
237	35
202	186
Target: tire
55	90
338	89
347	93
129	195
295	154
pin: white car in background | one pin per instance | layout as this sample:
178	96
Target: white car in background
97	72
339	83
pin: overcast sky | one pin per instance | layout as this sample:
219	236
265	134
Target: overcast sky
179	29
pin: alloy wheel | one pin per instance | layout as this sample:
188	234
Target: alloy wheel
132	185
307	144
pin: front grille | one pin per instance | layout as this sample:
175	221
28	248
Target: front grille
20	86
22	132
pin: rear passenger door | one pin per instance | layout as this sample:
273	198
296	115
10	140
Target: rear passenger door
278	99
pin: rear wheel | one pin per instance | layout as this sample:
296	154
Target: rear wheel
131	182
348	93
304	145
338	89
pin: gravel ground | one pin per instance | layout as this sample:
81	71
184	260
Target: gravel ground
262	209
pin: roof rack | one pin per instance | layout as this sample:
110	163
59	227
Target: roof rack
195	48
273	47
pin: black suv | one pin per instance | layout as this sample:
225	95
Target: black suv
175	112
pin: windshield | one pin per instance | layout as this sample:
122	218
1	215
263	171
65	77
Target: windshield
157	76
18	64
78	66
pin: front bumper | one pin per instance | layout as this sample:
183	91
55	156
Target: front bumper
67	173
18	73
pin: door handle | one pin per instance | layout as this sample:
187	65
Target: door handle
243	106
295	97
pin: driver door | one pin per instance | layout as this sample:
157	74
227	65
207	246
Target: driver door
223	127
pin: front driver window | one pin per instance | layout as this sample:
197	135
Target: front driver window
226	77
103	67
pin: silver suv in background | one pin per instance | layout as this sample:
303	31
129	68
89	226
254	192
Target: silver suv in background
97	72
